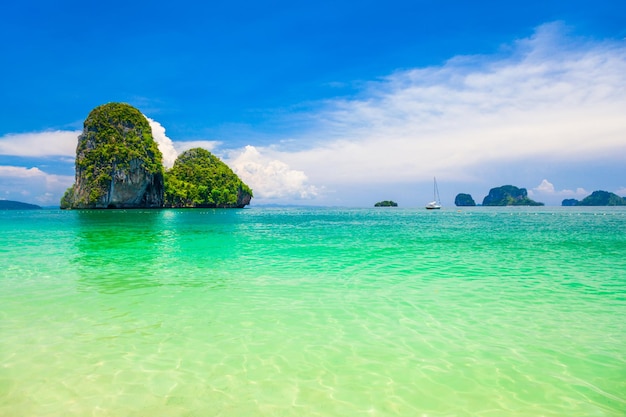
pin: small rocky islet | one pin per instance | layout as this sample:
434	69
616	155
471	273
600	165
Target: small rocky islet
386	203
464	200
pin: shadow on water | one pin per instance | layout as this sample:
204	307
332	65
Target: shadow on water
122	250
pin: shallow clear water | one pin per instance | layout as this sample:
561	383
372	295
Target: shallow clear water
313	312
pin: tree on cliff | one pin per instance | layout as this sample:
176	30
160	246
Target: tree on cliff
200	179
118	163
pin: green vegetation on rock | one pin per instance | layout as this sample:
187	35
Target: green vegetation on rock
118	163
597	198
464	200
509	195
200	179
386	203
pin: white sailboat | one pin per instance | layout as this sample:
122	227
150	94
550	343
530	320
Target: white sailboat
436	203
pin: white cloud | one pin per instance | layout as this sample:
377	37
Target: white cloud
33	185
40	144
546	189
270	178
550	98
165	144
20	172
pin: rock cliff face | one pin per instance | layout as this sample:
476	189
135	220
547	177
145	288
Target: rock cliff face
133	187
118	163
509	195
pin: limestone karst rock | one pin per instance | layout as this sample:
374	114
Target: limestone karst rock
200	179
509	195
118	163
464	200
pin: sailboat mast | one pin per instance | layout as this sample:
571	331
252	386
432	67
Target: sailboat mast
436	203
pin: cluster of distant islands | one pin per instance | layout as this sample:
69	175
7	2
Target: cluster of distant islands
510	195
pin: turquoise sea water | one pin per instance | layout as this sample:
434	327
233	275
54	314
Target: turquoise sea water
313	312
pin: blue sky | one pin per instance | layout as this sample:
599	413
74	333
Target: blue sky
328	103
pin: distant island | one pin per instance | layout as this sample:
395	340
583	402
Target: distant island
119	165
386	203
16	205
509	195
597	198
464	200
